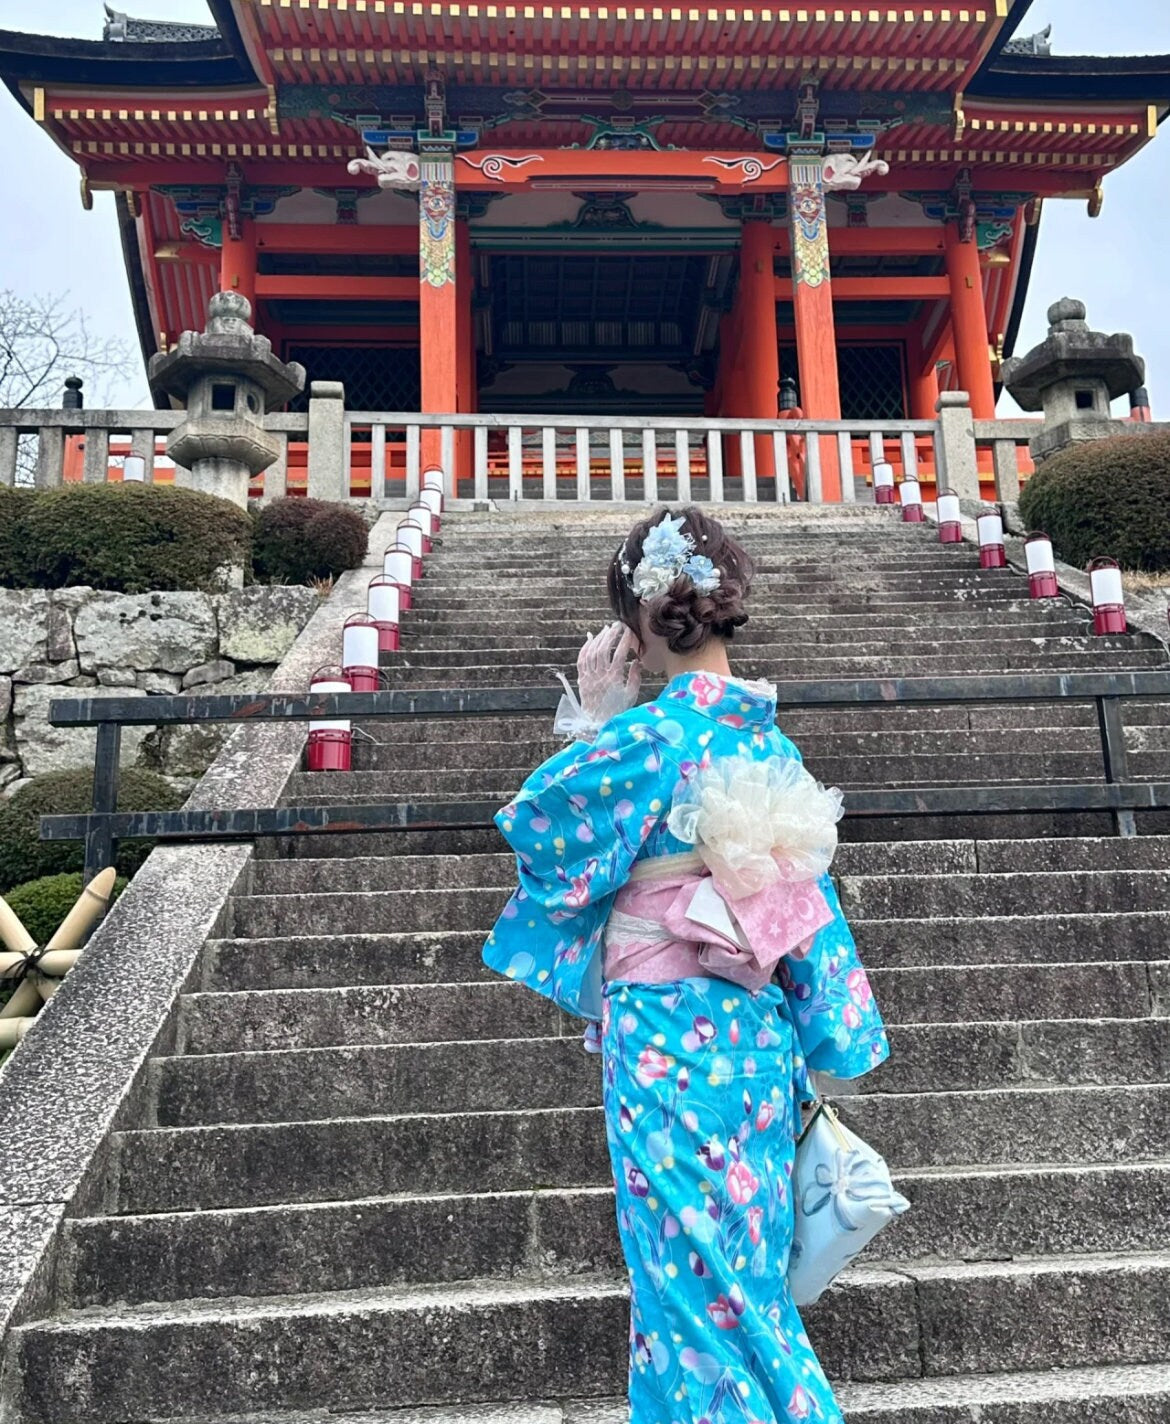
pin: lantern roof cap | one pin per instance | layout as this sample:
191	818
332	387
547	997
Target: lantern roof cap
1072	351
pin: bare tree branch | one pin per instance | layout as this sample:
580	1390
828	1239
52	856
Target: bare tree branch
43	340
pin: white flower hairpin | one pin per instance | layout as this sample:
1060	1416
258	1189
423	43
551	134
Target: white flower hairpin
667	555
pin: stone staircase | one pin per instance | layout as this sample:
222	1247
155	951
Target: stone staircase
368	1181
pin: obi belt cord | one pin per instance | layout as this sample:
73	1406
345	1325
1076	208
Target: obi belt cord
701	1076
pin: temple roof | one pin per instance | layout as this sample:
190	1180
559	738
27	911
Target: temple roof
123	28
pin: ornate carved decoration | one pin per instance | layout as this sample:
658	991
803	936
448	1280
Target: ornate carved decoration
436	212
393	170
203	208
748	170
847	171
498	166
604	212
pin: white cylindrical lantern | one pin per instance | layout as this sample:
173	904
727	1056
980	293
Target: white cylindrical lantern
419	514
432	478
409	536
398	566
359	652
330	742
883	483
1108	597
950	517
433	499
1041	566
991	550
133	469
384	607
910	495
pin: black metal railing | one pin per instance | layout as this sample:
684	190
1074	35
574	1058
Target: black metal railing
104	825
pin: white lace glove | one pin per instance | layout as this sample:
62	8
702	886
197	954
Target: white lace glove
608	686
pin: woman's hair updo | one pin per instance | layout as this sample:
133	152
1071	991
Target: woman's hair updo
686	617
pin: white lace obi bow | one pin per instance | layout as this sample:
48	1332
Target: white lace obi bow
755	823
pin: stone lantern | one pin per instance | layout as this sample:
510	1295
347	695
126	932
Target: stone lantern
228	378
1072	376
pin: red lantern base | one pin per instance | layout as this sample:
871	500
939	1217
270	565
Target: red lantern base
1109	618
387	637
1043	586
884	494
912	514
992	556
950	531
330	750
363	679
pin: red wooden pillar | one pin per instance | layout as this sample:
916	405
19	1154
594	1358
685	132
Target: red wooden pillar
923	393
812	294
467	394
969	322
759	343
237	264
438	311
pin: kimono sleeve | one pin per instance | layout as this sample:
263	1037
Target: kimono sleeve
577	827
829	997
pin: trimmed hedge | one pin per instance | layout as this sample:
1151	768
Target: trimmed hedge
301	539
1105	499
24	856
42	904
15	506
127	538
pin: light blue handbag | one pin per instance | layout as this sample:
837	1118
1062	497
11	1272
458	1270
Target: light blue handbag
843	1197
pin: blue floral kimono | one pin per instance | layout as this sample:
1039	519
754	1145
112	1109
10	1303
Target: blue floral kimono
701	1079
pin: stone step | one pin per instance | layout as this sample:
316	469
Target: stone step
908	663
1133	1394
452	956
474	1341
856	767
798	722
224	1022
253	1164
1018	893
869	645
981	1214
1043	615
517	757
968	898
1038	937
459	872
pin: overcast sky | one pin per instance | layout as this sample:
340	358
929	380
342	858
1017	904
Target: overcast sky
1119	263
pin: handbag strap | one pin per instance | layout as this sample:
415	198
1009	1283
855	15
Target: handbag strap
821	1108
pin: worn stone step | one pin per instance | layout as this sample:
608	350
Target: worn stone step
473	1341
315	961
420	1013
367	1013
908	663
1133	1394
294	1085
969	1214
856	767
870	644
335	1159
517	757
459	872
1039	937
1071	854
1038	718
568	635
865	899
875	897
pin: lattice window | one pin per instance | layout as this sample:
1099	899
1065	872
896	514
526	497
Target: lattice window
870	377
375	377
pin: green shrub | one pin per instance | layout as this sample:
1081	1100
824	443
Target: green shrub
133	538
1105	498
15	505
24	856
297	540
42	904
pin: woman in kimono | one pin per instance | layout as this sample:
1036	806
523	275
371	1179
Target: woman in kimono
674	893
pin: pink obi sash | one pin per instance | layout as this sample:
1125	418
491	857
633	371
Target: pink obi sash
672	920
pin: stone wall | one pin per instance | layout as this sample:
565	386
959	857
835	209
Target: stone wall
133	645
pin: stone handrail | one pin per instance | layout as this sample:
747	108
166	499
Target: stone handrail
1006	437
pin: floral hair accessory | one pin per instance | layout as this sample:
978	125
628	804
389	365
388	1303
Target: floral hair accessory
669	554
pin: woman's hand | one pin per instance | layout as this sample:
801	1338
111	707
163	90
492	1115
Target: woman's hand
605	684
